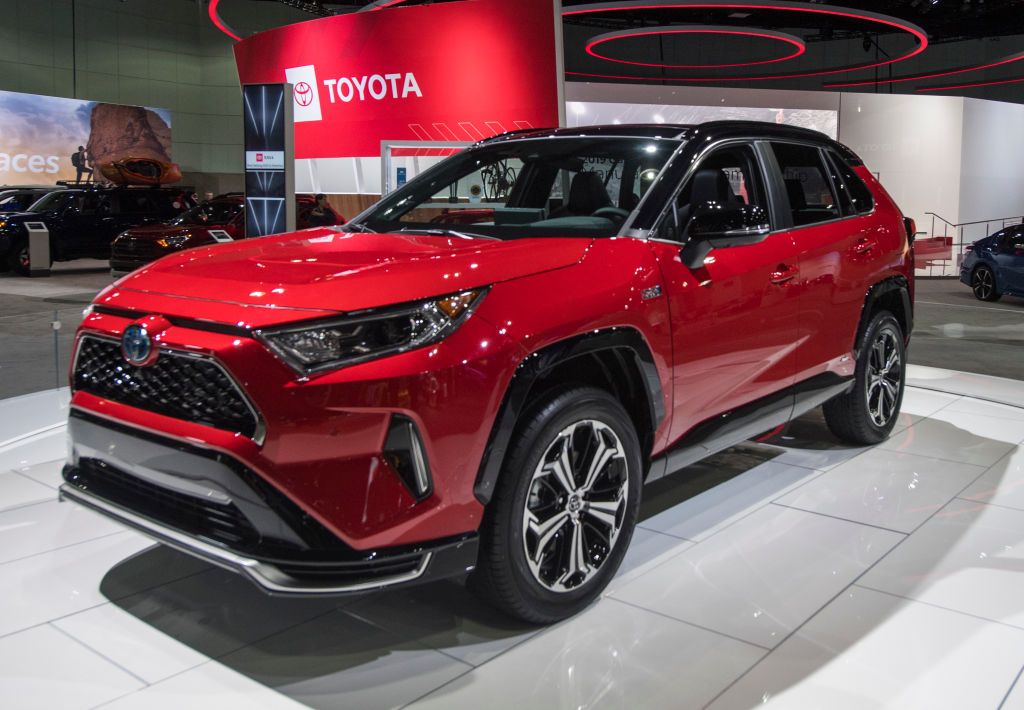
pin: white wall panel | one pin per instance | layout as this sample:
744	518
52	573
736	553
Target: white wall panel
913	143
991	172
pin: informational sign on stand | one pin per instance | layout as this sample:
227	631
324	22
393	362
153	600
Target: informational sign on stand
269	159
38	249
220	235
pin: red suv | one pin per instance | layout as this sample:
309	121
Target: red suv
411	397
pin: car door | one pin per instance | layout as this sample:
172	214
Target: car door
1009	257
76	231
734	316
829	209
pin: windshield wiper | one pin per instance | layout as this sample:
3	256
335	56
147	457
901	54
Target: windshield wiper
357	227
447	233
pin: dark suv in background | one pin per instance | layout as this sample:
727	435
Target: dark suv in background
83	221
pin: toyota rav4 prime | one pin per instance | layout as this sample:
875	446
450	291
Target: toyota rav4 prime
417	394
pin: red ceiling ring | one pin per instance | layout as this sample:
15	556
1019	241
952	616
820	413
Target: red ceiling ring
221	25
695	29
977	67
969	86
844	12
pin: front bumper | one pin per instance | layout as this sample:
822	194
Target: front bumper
213	507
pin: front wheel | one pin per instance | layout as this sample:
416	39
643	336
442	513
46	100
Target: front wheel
18	259
867	413
564	509
983	284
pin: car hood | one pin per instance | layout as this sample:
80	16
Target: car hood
326	270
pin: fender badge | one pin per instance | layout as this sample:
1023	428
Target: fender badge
648	293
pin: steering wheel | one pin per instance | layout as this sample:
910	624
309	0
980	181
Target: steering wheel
615	214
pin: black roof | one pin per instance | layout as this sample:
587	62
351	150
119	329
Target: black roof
714	129
709	131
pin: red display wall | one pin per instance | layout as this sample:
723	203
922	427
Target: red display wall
449	71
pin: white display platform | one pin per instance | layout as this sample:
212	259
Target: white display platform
824	577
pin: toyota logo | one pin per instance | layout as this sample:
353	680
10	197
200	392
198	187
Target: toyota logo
303	94
136	345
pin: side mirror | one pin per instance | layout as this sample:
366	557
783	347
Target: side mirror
716	227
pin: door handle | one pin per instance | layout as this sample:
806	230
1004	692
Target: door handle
864	245
782	274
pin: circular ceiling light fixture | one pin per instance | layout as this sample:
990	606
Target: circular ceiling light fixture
808	9
797	44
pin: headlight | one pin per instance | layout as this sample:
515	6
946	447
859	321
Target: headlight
174	241
370	334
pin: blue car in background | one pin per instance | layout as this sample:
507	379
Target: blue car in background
994	266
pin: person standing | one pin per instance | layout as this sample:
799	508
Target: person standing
322	215
80	161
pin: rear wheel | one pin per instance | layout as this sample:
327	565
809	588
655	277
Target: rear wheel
983	283
564	509
867	413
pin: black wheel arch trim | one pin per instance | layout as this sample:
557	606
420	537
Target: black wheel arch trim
625	343
901	287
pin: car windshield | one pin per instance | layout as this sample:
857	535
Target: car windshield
209	213
50	201
537	187
11	201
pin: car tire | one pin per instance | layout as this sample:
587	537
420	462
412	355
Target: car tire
551	542
867	413
983	284
18	258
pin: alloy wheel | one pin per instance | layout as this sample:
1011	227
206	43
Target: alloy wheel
575	506
884	375
983	284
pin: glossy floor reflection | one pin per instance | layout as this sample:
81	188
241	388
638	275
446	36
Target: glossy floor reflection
792	573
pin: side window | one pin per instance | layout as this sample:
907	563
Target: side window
854	195
727	178
134	203
1016	239
221	212
92	203
808	187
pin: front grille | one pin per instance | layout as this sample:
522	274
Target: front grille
131	249
202	517
180	385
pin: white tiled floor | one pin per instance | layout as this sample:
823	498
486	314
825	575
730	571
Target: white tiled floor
818	576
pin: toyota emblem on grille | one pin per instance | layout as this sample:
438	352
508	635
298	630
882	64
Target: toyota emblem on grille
136	345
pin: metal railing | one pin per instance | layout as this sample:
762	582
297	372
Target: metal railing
962	234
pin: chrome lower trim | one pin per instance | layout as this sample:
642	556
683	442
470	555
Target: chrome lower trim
263	574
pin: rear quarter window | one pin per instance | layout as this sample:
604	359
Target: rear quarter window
852	190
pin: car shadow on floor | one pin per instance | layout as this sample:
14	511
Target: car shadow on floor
331	651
